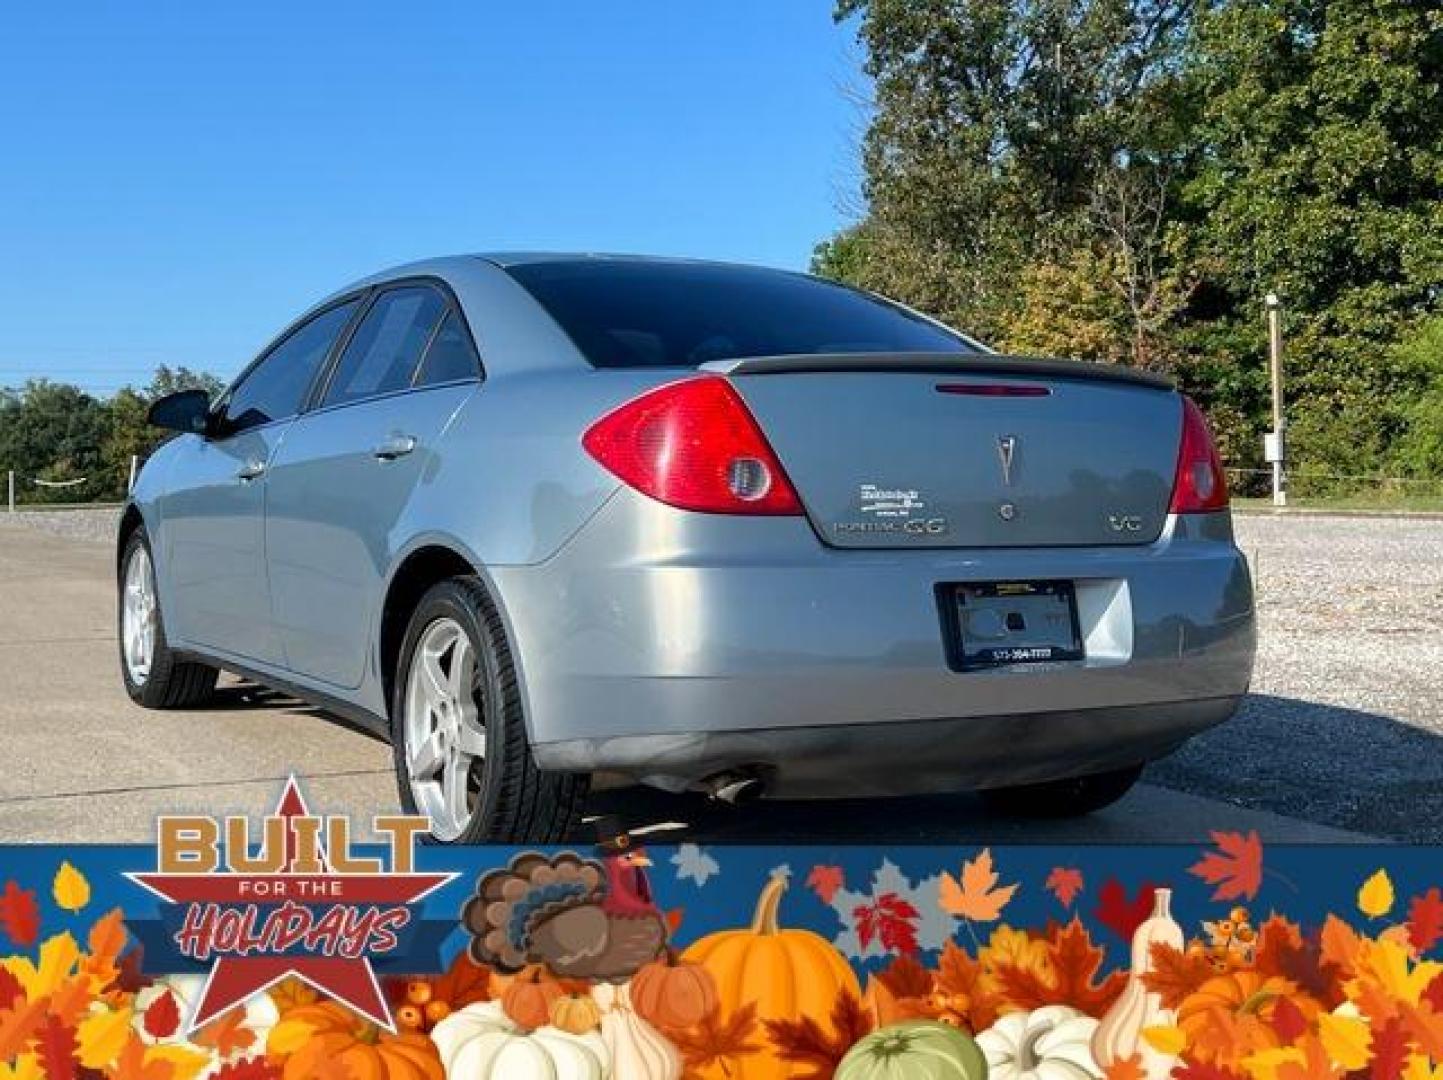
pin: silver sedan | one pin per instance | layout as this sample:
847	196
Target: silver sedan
539	519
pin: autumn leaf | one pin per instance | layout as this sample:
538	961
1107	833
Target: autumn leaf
162	1019
1392	1046
1340	943
291	993
70	888
1175	973
1236	867
1376	896
18	1025
19	915
1425	921
107	936
1288	1020
1345	1040
1199	1070
102	1036
892	921
962	978
1128	1068
1075	962
906	977
1432	995
135	1063
11	990
1064	883
1167	1039
805	1042
976	896
714	1043
252	1068
1119	914
56	1049
1426	1027
228	1034
826	881
129	978
464	983
886	1008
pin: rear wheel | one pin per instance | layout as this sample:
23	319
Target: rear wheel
1072	797
154	675
459	731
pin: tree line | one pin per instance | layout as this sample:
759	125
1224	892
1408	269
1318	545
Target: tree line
1126	180
55	433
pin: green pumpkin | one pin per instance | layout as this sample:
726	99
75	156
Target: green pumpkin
914	1050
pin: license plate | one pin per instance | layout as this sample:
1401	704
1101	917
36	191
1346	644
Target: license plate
1000	623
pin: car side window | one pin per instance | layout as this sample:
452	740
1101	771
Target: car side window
451	356
383	353
275	388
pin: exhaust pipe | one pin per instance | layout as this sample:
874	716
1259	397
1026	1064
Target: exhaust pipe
735	788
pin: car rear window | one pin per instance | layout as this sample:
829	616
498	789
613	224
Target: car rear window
631	314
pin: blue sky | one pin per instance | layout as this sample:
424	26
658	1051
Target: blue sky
178	180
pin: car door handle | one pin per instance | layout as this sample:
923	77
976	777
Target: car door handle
394	447
250	470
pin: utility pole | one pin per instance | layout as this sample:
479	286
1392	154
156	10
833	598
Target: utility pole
134	465
1275	441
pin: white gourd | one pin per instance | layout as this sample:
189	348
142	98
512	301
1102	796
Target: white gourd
1119	1035
480	1042
1051	1043
638	1051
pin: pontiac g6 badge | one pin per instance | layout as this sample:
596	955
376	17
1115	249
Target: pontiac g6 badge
1006	453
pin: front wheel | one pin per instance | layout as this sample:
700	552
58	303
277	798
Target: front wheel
1072	797
458	729
154	675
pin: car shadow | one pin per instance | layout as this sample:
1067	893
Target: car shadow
1320	765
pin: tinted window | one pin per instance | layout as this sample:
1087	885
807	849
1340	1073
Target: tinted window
659	314
451	355
385	349
275	388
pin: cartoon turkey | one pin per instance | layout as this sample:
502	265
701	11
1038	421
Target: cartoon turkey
582	918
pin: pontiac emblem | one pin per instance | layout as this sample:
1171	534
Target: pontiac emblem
1006	452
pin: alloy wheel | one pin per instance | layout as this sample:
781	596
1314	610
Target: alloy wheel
138	616
445	731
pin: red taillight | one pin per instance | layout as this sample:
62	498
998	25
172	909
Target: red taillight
1199	485
694	445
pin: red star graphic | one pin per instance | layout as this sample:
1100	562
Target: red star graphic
234	979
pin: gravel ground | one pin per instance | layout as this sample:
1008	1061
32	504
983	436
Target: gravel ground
1345	725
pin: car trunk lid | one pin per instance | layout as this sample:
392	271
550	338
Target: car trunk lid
908	451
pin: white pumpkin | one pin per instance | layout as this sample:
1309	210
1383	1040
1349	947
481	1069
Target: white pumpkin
1051	1043
480	1042
638	1050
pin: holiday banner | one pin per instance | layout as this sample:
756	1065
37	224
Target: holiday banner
236	950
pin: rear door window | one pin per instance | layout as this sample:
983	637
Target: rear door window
275	387
450	357
383	353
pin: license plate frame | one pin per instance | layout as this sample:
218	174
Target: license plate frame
979	641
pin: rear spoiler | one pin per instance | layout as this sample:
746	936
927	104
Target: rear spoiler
940	364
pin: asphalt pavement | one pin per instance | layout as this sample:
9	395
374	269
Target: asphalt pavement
84	764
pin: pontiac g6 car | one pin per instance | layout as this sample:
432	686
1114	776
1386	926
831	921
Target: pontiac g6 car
541	518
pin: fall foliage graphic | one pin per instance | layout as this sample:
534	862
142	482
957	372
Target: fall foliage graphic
1249	993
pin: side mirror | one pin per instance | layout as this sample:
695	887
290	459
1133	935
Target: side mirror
186	411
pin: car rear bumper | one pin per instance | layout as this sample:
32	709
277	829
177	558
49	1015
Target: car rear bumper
910	757
659	644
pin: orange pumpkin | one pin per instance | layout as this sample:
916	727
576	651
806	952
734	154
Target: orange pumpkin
575	1014
311	1036
528	1000
1240	993
673	995
786	974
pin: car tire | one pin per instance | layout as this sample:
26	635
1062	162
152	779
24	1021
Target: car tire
155	676
1072	797
507	799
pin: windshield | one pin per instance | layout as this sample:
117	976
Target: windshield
652	313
